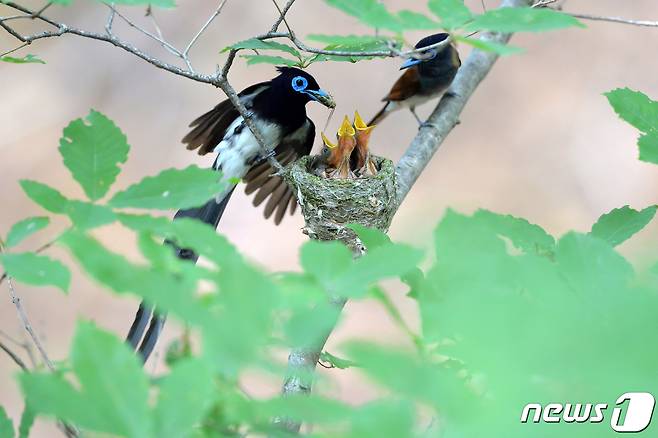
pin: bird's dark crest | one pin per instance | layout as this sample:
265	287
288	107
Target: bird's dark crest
432	39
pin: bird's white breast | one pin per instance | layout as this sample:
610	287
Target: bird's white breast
239	148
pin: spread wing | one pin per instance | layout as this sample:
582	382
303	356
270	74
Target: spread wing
406	86
209	129
260	178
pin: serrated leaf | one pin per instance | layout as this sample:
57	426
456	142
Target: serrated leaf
384	262
92	149
256	44
490	46
6	426
266	59
27	59
453	13
185	395
44	195
369	12
635	108
111	375
113	391
23	229
648	144
411	20
620	224
524	19
172	189
38	270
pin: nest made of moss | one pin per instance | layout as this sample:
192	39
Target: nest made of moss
328	204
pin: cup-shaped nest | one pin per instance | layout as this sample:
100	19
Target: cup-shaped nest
329	204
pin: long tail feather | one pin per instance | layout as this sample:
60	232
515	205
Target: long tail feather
381	115
210	213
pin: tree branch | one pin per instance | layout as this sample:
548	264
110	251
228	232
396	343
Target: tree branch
644	23
302	361
13	356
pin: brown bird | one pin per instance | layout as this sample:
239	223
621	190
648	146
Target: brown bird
360	161
426	78
338	158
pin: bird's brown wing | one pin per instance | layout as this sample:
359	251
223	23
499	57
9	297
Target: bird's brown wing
406	86
209	129
260	178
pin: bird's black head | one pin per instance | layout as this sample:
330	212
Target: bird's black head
430	54
296	85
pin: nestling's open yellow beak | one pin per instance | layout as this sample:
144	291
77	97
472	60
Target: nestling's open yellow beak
360	125
346	129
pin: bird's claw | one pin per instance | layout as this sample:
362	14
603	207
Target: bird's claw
428	125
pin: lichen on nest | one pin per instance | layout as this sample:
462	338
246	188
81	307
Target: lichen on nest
329	205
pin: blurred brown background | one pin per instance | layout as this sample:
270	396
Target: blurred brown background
537	140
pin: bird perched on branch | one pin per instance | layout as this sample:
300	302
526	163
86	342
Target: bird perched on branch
426	77
278	109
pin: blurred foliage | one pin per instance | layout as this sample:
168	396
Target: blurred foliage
27	59
509	314
640	111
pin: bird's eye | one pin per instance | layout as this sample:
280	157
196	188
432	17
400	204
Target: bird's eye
299	83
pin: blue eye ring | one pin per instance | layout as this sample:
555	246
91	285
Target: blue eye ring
299	83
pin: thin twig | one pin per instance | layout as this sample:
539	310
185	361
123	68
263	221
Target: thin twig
282	16
14	357
171	49
12	32
7	53
644	23
110	19
204	27
156	26
16	300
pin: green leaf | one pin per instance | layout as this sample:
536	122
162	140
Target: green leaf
256	44
411	20
113	392
27	420
369	12
335	361
524	19
453	13
275	60
174	291
92	149
635	108
52	395
620	224
172	189
45	196
528	237
370	237
85	215
490	46
111	375
6	426
23	229
591	265
27	59
648	144
185	395
325	260
36	269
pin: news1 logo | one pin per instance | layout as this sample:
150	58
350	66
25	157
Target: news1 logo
634	417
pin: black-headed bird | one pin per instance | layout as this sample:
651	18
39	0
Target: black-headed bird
425	78
278	109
